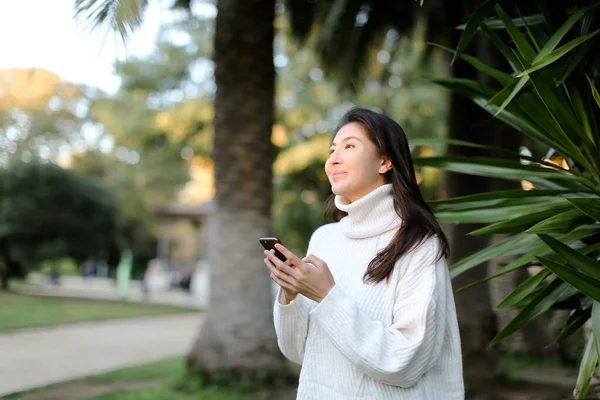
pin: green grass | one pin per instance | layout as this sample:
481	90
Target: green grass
23	311
169	367
165	391
171	371
167	380
168	390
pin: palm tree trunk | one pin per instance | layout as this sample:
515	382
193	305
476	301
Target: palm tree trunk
5	280
237	337
5	273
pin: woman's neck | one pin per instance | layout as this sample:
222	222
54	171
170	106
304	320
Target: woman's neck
370	215
351	199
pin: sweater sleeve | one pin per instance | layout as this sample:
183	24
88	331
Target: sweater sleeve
291	326
401	353
291	321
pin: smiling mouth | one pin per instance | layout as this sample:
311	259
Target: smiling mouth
337	174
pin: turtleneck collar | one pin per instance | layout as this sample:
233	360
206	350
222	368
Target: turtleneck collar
371	215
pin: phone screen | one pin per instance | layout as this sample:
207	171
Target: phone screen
269	244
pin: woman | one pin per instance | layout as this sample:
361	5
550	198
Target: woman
370	313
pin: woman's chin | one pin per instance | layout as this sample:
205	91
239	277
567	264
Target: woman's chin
339	190
335	189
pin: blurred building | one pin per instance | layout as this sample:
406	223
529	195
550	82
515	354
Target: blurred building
181	246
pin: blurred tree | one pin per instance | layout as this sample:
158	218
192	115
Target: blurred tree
40	115
310	102
237	335
155	131
48	212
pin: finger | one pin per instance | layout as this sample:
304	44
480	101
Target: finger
294	259
283	280
272	268
287	269
287	266
314	260
270	254
279	274
283	284
269	264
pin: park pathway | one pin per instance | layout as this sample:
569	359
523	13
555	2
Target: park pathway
38	357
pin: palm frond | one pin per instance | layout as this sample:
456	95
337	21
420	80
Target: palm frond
552	99
119	16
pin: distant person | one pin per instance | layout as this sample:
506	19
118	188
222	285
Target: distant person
124	272
54	276
87	268
370	313
186	282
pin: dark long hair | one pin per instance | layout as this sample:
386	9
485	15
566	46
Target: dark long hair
418	221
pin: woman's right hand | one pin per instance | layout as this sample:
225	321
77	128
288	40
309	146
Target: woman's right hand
287	295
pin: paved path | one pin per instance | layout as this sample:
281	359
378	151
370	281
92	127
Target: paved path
105	289
39	357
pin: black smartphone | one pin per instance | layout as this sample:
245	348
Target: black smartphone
269	244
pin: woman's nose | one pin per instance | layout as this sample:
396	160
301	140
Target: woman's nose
334	158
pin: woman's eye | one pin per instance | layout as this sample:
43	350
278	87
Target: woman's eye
349	146
330	151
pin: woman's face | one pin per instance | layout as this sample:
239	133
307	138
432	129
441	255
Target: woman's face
354	167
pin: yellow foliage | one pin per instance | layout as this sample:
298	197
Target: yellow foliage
426	110
418	177
555	159
31	89
163	120
526	185
70	91
429	174
426	151
300	155
419	44
322	176
180	121
296	116
201	187
202	162
279	136
288	197
559	161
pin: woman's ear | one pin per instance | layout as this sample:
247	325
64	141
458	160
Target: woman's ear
386	165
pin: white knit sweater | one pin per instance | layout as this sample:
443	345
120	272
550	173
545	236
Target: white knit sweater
392	340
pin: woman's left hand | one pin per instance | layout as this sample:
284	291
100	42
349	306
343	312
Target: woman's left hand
309	276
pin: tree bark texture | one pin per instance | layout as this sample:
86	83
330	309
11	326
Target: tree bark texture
237	334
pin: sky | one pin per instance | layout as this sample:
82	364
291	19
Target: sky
44	34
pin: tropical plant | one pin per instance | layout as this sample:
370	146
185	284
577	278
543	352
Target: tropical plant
552	223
